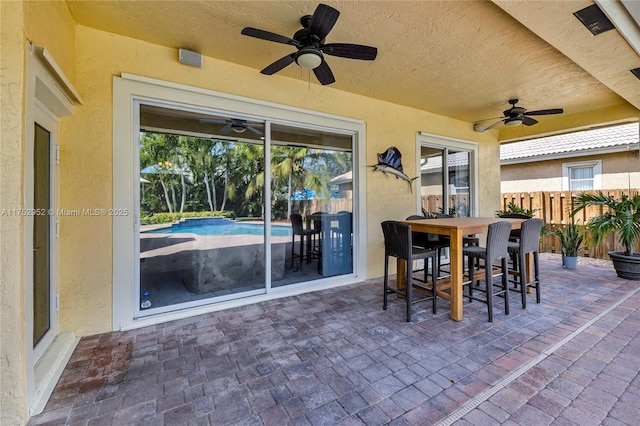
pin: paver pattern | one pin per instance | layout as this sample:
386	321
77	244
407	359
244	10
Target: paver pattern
334	357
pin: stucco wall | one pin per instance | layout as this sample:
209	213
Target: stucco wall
620	170
86	152
48	24
12	59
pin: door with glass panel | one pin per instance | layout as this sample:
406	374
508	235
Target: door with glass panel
45	290
201	189
446	181
206	233
312	195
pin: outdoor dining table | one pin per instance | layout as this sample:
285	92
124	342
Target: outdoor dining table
455	229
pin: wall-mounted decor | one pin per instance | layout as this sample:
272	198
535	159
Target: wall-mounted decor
390	162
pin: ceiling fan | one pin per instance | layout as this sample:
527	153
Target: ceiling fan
311	47
516	116
232	124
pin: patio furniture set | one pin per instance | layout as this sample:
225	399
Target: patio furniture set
511	250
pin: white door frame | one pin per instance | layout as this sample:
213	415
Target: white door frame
49	95
444	142
128	89
47	120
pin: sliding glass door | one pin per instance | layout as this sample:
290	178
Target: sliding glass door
204	224
446	177
312	195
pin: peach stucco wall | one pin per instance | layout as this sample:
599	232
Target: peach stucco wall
48	24
12	59
86	179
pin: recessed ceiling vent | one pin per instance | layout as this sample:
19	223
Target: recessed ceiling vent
594	19
636	72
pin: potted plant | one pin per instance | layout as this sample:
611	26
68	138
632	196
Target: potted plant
621	216
571	239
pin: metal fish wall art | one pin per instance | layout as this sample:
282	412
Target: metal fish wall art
390	163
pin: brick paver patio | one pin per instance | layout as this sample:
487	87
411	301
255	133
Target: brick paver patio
334	357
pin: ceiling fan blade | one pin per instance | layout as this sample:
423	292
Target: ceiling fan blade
545	111
269	36
323	73
254	130
213	120
225	130
351	51
279	64
323	20
528	121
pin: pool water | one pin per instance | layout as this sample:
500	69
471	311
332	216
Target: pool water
219	226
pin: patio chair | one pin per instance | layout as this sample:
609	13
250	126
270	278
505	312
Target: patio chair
496	250
305	235
528	242
316	238
429	241
398	244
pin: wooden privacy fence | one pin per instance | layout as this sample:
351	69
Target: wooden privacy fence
554	208
333	205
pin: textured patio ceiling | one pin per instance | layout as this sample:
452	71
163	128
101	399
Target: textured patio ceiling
462	59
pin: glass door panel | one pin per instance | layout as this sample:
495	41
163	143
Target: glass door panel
432	181
201	209
458	166
445	191
42	294
311	195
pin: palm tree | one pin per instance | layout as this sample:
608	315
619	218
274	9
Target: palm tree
622	216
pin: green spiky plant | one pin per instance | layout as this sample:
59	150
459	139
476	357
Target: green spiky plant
514	209
571	239
621	216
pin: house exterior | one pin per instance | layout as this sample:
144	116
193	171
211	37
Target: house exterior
87	93
598	159
87	82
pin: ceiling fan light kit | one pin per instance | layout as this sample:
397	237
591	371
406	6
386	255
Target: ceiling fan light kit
309	58
516	116
513	122
310	42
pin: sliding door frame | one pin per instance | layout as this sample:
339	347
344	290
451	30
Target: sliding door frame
447	143
131	90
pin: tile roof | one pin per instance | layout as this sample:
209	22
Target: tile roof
571	144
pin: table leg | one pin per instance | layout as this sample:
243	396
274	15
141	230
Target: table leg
401	274
457	272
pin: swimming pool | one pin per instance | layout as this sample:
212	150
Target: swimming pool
220	226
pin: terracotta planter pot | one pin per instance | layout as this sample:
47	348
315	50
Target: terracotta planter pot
627	267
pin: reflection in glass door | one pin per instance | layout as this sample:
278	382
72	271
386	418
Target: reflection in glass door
445	190
45	319
201	209
203	216
312	195
41	235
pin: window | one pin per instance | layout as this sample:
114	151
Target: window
582	176
449	189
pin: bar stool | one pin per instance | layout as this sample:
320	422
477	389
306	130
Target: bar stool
496	249
398	244
305	239
429	241
529	242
